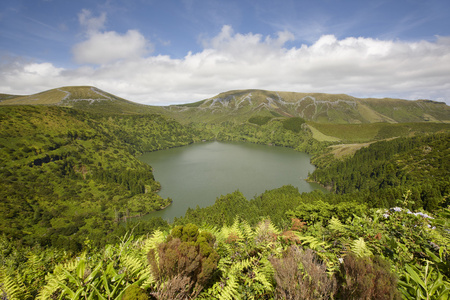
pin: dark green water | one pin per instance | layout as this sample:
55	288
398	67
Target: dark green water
197	174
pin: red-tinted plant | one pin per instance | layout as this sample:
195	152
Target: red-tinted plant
187	257
300	275
366	278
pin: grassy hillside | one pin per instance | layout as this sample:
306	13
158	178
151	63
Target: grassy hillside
240	105
84	98
320	108
362	133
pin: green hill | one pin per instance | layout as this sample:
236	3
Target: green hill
240	105
336	118
85	98
316	107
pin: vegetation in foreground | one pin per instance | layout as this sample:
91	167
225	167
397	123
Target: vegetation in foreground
379	254
71	176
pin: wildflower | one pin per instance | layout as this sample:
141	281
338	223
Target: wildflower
386	215
423	215
396	209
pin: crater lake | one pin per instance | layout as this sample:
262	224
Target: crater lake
199	173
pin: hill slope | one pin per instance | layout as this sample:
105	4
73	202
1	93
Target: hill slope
85	98
330	117
317	107
240	105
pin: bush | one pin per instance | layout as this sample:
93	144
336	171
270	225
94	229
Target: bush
366	278
259	120
299	275
185	263
134	292
293	124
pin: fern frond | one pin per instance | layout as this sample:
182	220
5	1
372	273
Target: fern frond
48	290
10	286
360	248
264	273
336	225
157	238
312	242
137	268
246	230
230	290
53	280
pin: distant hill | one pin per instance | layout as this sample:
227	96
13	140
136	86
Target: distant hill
240	105
330	117
317	107
86	98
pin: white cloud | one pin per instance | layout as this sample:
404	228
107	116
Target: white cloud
90	23
358	66
105	47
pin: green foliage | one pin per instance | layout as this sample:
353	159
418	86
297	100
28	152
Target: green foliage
384	170
293	124
245	269
360	249
106	275
424	283
68	175
134	292
320	211
12	287
259	120
71	181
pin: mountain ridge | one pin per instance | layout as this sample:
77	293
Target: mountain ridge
239	105
319	107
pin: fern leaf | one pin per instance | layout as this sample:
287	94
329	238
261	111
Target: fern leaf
336	225
246	230
263	273
312	242
136	268
11	287
360	248
230	290
152	243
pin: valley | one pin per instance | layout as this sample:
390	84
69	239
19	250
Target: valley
72	175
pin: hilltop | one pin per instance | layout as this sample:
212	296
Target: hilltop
329	117
240	105
87	98
316	107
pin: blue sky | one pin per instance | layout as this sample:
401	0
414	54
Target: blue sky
164	52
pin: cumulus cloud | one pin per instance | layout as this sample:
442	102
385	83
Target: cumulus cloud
362	67
103	47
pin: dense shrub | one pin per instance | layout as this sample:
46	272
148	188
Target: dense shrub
185	263
300	275
293	124
259	120
134	292
366	278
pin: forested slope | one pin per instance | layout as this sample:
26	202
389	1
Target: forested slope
68	175
420	164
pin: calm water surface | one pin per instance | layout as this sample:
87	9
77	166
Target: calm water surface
199	173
